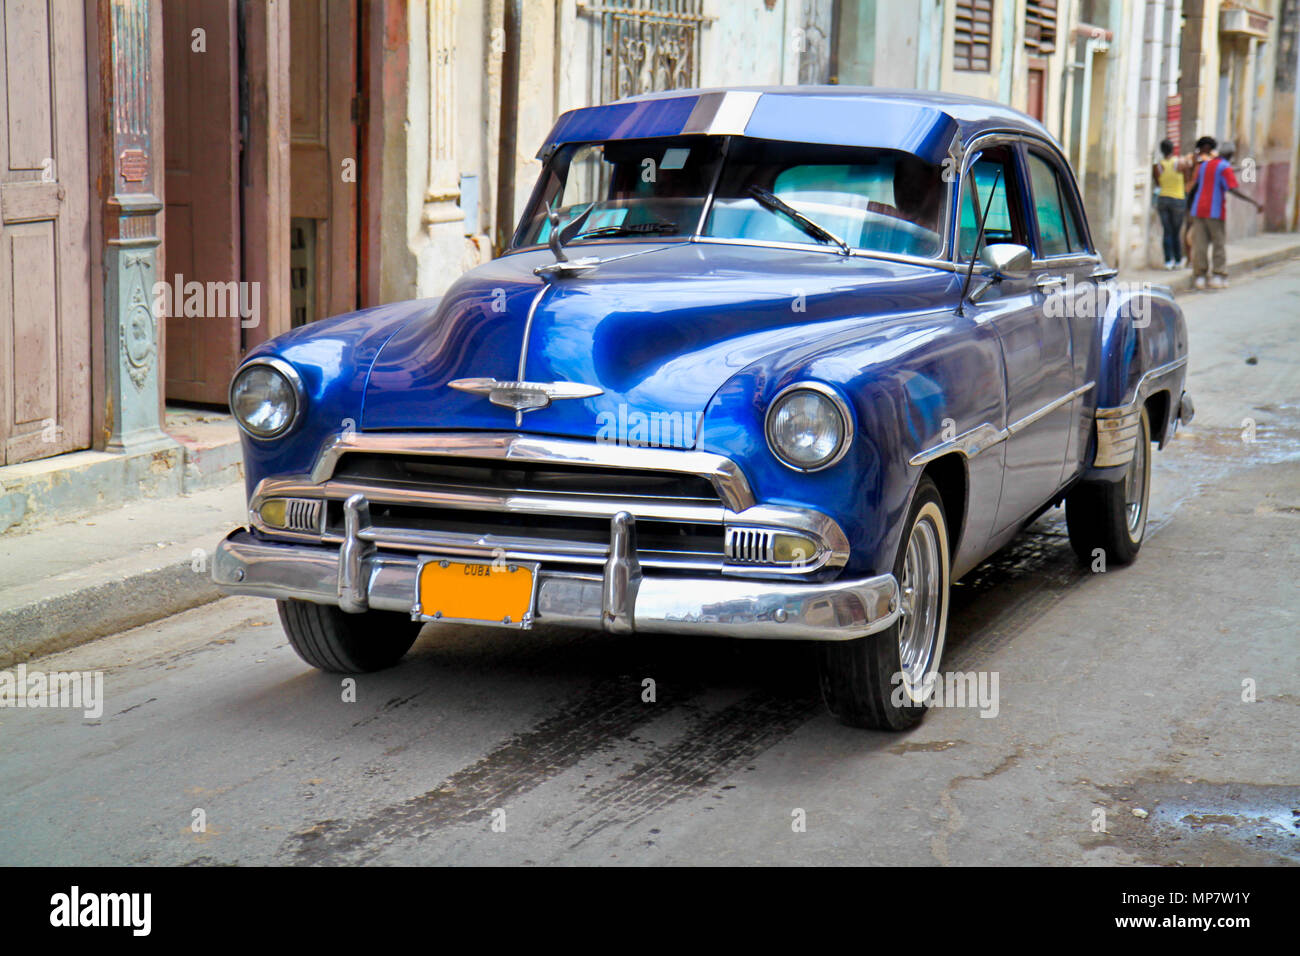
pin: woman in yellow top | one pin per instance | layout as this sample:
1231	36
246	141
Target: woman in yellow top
1171	202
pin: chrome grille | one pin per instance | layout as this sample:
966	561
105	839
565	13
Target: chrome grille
302	514
489	476
750	546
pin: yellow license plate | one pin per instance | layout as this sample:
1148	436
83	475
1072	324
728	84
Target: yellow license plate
477	592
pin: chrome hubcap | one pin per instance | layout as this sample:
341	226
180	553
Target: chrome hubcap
1135	487
919	602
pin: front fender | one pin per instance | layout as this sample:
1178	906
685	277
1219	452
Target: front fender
910	384
333	358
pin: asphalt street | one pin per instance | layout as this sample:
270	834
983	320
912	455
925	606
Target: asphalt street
1165	695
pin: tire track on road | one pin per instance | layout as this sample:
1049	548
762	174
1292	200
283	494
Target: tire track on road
714	747
602	717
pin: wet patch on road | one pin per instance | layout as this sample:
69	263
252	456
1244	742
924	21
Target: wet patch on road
1195	822
929	746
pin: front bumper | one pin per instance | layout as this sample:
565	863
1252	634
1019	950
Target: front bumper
621	599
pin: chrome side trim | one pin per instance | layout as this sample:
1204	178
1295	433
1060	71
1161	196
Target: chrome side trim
969	444
725	475
840	610
982	437
1145	385
1067	398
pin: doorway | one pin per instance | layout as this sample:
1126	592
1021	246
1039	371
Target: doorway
325	113
45	280
216	217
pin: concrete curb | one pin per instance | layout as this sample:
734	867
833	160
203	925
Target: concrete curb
72	583
82	615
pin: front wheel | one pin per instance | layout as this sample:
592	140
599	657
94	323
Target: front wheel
333	640
882	681
1111	516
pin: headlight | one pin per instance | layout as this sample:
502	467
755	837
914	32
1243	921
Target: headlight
808	426
266	397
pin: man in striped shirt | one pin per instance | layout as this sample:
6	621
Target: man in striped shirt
1212	180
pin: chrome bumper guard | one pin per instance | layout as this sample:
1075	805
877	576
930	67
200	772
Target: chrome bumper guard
622	599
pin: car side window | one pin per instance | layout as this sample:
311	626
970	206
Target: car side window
1059	233
990	184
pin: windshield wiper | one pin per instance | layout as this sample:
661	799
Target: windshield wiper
635	229
769	200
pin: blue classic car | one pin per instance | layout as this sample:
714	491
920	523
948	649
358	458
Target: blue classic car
763	363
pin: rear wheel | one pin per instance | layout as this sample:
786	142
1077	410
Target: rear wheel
882	681
332	640
1111	516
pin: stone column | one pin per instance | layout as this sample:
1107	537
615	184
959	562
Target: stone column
443	253
130	219
442	195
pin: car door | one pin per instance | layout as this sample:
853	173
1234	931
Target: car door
1035	347
1074	280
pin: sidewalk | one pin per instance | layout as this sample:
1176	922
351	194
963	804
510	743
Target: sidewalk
92	543
204	452
1244	255
70	583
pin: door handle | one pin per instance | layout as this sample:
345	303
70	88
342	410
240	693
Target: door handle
1103	273
1045	283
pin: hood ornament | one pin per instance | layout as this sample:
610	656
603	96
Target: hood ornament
524	396
563	265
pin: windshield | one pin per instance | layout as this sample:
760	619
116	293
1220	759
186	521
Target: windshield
628	187
877	200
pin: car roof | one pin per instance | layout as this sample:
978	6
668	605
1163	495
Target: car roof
921	122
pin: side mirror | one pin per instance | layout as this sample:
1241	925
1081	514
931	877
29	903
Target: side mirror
1007	260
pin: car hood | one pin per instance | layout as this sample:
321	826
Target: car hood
659	328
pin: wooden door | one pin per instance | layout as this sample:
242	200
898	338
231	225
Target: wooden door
202	193
45	382
324	115
1034	106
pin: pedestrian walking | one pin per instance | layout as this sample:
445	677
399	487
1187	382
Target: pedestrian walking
1171	201
1214	179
